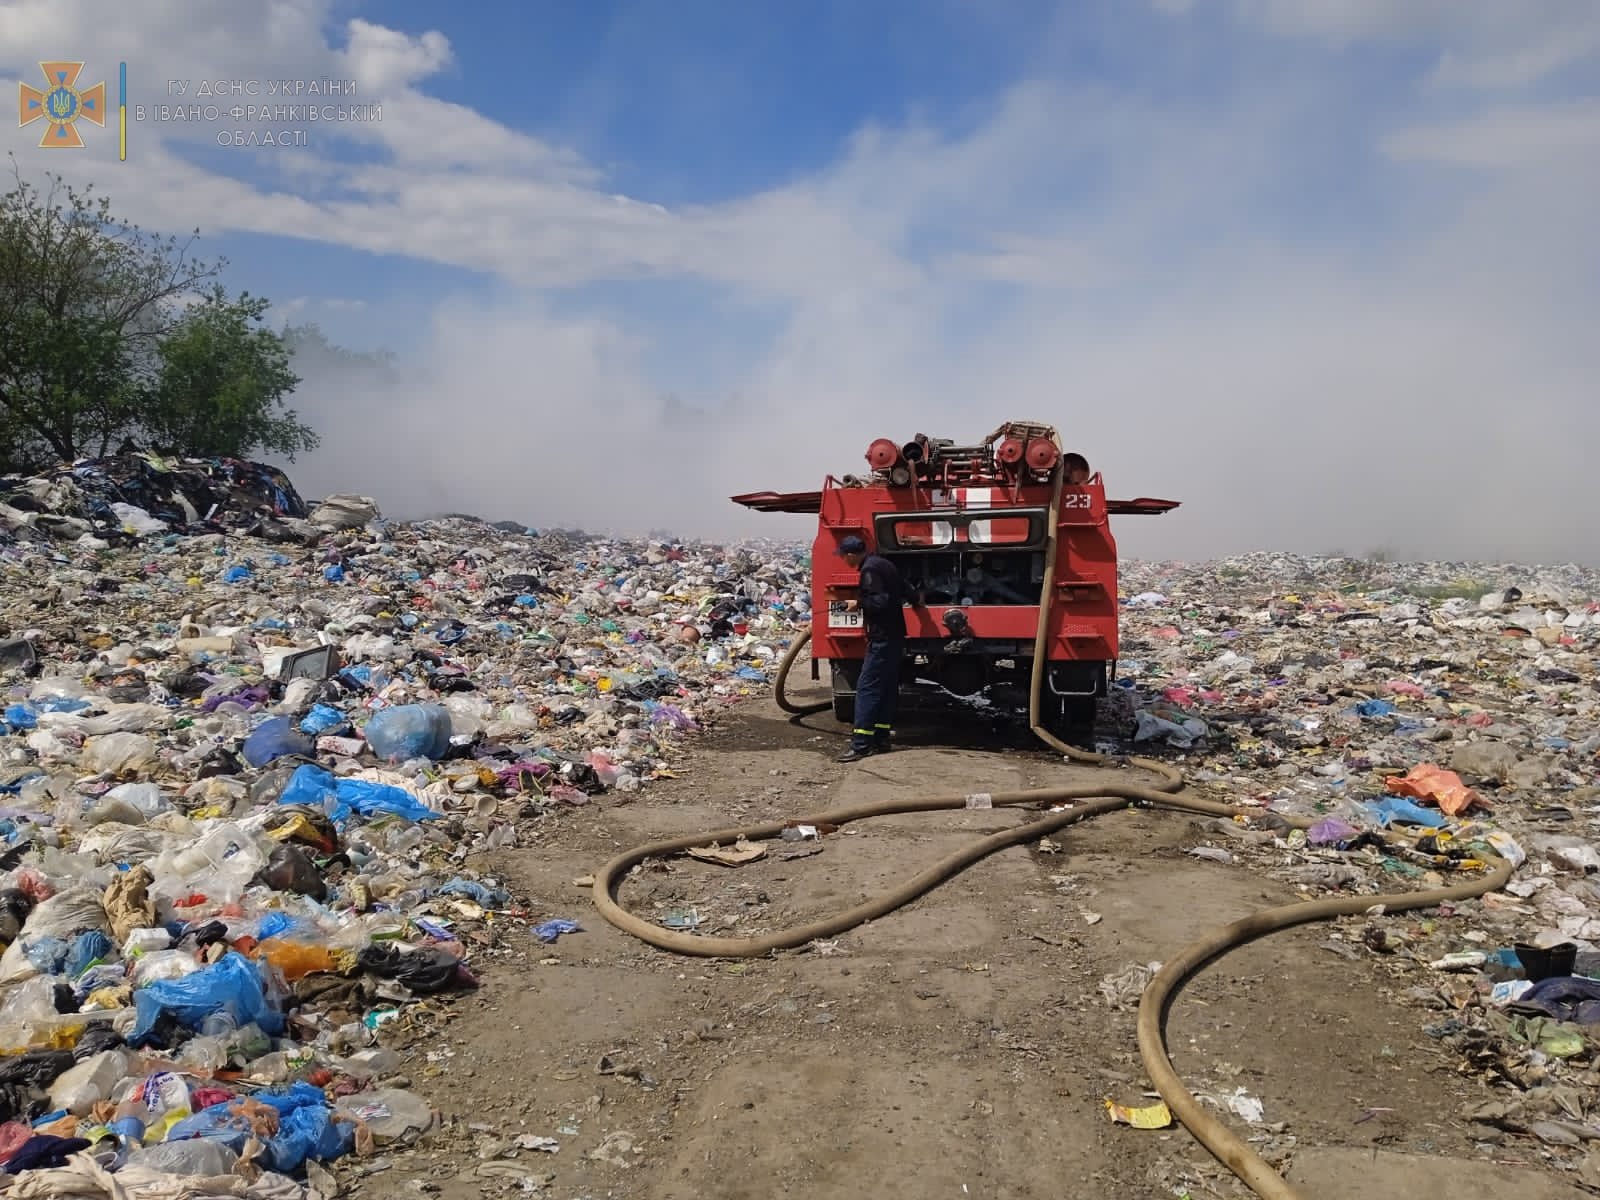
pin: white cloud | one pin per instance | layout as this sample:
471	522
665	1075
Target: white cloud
382	60
1505	137
1480	43
1398	356
1522	65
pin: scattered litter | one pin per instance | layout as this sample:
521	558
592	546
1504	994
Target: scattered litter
549	931
247	745
1241	1104
1122	989
736	855
1150	1116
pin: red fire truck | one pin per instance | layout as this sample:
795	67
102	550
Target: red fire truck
970	529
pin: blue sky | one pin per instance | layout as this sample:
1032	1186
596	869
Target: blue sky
1216	240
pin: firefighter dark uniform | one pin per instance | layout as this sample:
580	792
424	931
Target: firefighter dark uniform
883	596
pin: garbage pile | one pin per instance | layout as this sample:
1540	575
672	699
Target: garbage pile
134	495
1428	716
242	778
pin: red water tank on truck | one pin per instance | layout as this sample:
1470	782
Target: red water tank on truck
1009	543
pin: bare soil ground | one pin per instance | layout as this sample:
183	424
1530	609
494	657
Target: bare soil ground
960	1047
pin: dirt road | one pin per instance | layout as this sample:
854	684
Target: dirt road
961	1047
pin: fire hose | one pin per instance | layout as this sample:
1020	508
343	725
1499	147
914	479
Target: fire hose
1086	800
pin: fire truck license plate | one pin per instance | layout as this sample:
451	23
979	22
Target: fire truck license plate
844	620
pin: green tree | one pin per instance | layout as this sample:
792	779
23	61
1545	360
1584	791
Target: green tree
222	382
88	304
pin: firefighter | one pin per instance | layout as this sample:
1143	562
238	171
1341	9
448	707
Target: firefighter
1077	468
883	595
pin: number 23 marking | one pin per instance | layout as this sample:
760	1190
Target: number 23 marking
1077	500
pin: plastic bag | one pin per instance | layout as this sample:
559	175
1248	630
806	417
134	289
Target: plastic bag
47	955
1444	788
324	719
233	985
314	787
219	866
163	966
15	905
66	913
410	731
197	1156
89	1082
276	738
122	718
1397	810
118	754
296	960
388	1113
290	869
147	798
423	971
88	950
306	1127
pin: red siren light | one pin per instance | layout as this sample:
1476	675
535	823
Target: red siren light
1042	454
1010	451
883	454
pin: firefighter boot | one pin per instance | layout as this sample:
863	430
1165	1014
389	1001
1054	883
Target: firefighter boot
861	746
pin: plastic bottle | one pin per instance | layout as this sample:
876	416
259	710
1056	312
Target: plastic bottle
203	1055
410	731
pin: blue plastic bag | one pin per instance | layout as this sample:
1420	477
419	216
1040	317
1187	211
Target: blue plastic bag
21	716
323	718
343	798
274	924
233	985
88	949
553	929
410	731
25	714
486	896
306	1128
275	739
1397	810
46	954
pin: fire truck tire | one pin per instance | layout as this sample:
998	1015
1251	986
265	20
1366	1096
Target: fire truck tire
1078	714
844	709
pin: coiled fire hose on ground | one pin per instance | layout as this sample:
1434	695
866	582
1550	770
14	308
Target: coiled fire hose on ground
1088	800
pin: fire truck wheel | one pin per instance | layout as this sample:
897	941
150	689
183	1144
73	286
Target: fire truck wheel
844	709
1076	717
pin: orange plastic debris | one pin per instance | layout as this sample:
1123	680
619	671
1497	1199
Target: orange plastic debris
296	959
1444	788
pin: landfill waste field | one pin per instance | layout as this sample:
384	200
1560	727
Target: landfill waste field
302	810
